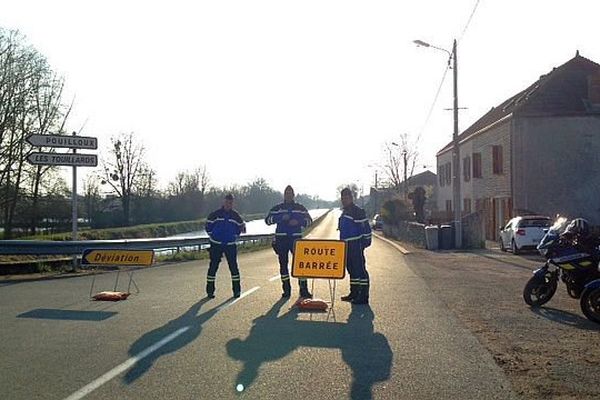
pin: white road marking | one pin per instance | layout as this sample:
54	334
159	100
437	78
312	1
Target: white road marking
89	388
274	278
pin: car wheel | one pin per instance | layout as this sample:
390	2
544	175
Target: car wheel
502	247
514	248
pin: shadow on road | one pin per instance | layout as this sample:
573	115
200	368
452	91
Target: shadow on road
366	352
503	260
566	318
190	319
67	315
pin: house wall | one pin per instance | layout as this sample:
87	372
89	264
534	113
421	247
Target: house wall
492	191
557	166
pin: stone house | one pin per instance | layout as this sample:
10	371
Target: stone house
536	152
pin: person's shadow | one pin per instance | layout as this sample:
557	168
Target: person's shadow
185	330
366	352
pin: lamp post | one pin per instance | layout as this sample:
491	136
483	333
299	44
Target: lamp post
455	145
405	159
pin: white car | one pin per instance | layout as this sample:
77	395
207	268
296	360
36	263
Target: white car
523	232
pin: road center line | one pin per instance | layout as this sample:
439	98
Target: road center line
274	278
89	388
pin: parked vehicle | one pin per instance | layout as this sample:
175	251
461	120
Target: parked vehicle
524	232
377	222
569	261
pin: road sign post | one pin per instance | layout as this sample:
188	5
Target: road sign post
73	159
320	259
120	258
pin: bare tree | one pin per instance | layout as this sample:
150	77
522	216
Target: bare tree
125	170
30	102
400	160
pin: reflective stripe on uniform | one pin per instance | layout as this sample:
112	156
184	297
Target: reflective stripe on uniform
214	241
353	238
285	277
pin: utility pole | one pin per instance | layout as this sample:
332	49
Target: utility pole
405	156
456	156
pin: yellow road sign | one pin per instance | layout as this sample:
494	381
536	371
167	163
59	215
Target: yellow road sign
117	257
324	259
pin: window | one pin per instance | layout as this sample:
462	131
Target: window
467	169
497	159
448	173
441	175
477	165
449	206
467	206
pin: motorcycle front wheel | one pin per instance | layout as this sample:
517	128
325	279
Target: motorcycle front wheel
590	304
539	290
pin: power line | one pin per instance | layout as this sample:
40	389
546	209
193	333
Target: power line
469	20
435	99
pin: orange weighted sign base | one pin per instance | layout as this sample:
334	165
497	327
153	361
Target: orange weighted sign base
311	305
110	296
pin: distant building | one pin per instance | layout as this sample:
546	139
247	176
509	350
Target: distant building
537	152
427	180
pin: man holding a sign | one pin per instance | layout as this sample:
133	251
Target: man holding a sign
356	232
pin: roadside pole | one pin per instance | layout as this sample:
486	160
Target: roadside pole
74	205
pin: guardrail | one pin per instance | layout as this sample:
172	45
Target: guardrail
49	247
69	248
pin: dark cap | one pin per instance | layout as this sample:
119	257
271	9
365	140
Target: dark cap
346	192
229	196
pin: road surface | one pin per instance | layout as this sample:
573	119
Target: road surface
168	342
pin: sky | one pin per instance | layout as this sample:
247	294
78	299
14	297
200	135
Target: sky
297	92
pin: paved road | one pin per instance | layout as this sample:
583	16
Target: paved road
170	343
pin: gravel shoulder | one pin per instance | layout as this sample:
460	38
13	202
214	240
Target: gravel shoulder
551	352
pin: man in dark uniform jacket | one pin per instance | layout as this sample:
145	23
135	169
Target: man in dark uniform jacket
291	219
224	227
356	232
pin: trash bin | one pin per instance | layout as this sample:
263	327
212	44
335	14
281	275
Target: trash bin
446	237
431	237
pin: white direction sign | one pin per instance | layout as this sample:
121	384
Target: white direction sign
72	142
68	159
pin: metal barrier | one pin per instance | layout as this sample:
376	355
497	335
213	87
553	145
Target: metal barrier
49	247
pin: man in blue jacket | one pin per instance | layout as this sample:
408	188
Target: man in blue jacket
356	232
224	226
291	219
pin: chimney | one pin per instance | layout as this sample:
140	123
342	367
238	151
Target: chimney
594	88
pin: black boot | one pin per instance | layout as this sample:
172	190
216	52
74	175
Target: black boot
210	289
352	294
362	295
304	293
235	285
287	288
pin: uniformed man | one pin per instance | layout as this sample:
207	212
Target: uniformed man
224	226
291	219
356	232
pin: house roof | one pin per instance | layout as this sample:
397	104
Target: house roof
562	91
426	178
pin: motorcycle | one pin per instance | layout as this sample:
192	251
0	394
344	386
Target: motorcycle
566	261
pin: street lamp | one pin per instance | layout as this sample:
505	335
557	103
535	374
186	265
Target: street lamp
453	56
376	170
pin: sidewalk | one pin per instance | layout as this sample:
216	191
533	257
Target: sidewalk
549	352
